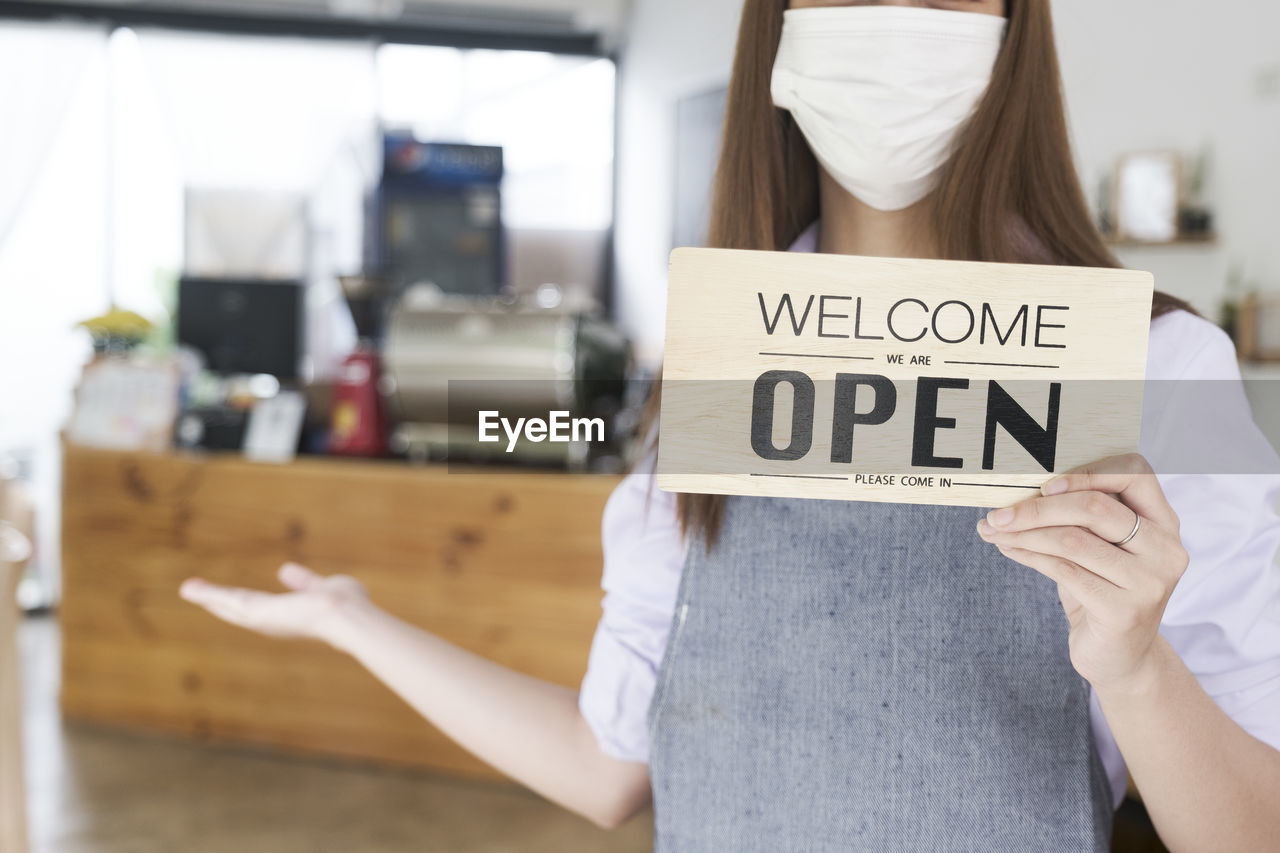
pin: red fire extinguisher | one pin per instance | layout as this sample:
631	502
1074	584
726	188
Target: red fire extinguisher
359	422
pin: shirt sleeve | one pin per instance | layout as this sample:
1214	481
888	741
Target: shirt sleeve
644	554
1222	477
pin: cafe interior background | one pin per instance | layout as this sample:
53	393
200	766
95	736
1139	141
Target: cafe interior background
244	247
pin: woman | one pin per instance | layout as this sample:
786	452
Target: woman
896	679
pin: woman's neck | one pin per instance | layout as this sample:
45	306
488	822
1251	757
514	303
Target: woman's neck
850	227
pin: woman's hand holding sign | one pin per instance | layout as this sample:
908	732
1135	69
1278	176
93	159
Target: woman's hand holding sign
1188	758
1106	534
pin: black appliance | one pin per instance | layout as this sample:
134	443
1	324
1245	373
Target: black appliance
437	218
243	326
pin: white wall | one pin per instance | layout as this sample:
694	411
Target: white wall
674	48
1160	74
1139	75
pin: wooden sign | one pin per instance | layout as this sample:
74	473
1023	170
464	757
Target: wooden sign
940	382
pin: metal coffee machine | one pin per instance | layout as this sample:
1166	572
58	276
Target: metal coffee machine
448	358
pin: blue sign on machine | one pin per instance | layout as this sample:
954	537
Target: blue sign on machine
410	163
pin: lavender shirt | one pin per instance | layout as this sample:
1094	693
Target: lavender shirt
1223	619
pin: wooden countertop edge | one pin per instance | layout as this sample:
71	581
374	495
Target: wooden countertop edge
389	468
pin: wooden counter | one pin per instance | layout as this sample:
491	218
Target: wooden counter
13	798
506	564
17	530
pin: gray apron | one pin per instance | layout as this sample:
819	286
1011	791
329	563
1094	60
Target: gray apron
870	677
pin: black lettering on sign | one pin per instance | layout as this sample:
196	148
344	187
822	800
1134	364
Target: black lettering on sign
846	410
1004	411
947	323
796	325
762	414
894	310
1020	320
968	332
857	327
1041	325
824	315
928	423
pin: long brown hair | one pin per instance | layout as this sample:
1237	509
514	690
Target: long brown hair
1009	194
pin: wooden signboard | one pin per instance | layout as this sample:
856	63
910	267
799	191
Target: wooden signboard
939	382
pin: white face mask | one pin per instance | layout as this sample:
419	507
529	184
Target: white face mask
880	92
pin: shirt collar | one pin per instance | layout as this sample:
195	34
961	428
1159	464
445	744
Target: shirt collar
807	241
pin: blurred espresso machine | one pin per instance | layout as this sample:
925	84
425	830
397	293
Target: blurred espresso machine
448	359
453	339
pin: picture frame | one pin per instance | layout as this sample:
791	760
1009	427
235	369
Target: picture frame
1149	189
275	427
1258	328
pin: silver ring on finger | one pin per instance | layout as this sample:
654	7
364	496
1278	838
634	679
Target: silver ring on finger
1137	525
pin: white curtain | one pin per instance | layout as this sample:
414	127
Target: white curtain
41	67
51	270
280	116
263	113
